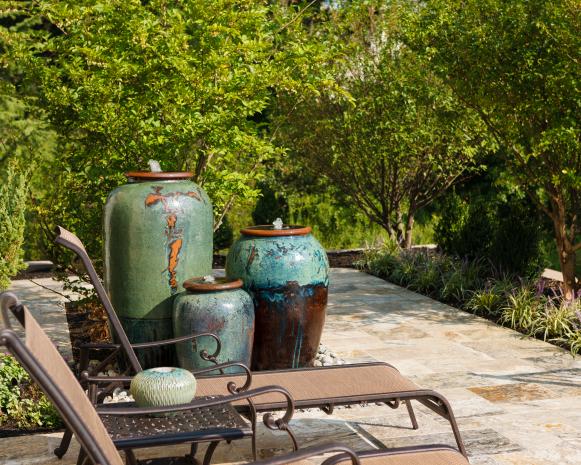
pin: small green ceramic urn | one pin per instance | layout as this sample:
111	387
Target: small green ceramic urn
158	232
218	306
162	387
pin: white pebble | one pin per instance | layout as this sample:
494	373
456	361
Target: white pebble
116	391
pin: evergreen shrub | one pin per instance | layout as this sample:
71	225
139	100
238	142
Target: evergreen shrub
13	196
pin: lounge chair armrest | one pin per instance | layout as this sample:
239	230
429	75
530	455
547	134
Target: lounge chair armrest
176	340
232	388
99	345
308	452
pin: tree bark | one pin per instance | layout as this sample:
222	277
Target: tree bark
567	258
409	226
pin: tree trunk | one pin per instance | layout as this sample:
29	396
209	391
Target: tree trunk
567	258
409	226
568	263
399	229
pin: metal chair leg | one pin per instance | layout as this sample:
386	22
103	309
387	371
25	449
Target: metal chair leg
438	403
412	414
130	458
191	457
82	458
210	452
254	451
63	447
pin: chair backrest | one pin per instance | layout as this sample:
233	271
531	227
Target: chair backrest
38	355
72	242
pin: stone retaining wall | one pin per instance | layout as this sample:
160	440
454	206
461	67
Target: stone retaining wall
337	258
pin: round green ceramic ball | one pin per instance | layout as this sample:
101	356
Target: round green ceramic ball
162	387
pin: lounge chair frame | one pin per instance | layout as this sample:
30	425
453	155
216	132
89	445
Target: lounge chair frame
15	345
94	449
429	398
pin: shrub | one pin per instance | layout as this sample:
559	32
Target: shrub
557	319
506	231
485	302
490	300
453	286
22	403
270	206
428	270
449	230
480	289
13	196
380	261
521	310
573	339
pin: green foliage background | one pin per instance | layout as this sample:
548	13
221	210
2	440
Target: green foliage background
22	404
122	82
13	198
398	139
298	96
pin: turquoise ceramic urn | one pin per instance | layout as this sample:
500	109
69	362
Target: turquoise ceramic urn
163	387
218	306
286	271
158	232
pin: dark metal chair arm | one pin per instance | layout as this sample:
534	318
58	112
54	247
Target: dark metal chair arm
147	345
99	345
309	452
9	302
231	385
176	340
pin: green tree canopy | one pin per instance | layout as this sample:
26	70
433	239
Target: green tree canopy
400	141
517	64
185	83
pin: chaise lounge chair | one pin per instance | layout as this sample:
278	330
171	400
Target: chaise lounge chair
206	419
41	359
322	387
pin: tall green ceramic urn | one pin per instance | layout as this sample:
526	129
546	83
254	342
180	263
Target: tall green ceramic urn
158	232
286	271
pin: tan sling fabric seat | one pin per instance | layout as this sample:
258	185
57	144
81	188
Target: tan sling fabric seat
67	394
427	455
436	457
308	387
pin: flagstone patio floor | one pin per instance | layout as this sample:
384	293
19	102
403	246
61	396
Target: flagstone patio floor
517	400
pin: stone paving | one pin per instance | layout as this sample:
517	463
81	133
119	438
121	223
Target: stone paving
517	400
